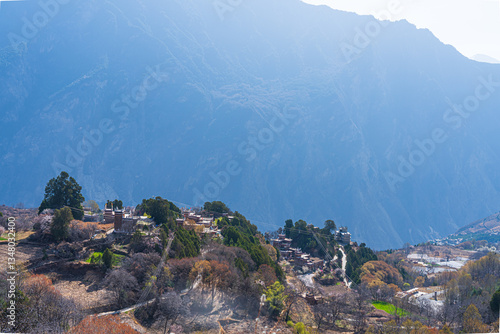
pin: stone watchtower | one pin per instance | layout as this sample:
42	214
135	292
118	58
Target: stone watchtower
118	220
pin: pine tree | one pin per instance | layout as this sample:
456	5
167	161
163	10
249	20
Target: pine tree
275	296
495	302
60	223
107	258
63	191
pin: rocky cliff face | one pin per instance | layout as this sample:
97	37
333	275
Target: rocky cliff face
281	109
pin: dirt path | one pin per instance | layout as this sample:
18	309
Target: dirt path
344	264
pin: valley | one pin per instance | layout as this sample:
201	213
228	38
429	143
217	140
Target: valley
374	290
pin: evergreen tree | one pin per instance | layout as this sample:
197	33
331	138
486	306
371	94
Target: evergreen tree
185	244
163	236
161	210
216	206
275	296
288	227
495	302
60	223
116	204
330	227
107	258
356	260
303	236
63	191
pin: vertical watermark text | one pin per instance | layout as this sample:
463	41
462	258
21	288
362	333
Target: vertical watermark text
11	272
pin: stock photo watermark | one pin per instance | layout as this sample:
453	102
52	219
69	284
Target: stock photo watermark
11	272
33	25
222	7
371	30
121	107
248	150
454	118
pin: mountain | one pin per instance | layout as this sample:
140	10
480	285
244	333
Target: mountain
486	229
483	229
279	108
485	59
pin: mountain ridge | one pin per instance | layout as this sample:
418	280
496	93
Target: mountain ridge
226	83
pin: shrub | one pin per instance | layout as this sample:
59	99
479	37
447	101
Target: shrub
300	328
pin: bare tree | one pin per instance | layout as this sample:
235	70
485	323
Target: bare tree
170	307
249	295
122	284
406	248
358	311
336	304
320	312
290	301
426	310
79	231
43	308
140	265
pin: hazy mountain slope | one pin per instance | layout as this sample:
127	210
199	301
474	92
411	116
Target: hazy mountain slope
340	124
488	225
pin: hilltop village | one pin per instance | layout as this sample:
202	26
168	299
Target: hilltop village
158	268
125	221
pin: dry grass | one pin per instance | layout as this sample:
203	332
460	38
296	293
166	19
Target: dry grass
84	294
24	253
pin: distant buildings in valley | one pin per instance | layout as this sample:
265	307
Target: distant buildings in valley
295	255
432	297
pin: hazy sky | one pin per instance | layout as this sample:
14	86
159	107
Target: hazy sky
471	26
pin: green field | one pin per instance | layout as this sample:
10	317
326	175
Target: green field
389	308
117	258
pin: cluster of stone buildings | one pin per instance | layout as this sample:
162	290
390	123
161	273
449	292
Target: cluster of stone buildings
311	299
301	259
125	221
343	236
295	255
431	297
202	222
